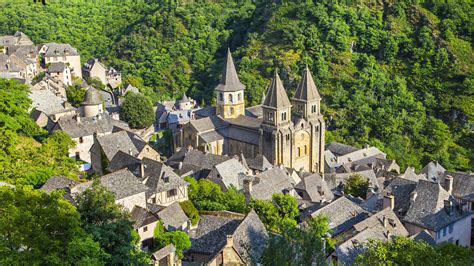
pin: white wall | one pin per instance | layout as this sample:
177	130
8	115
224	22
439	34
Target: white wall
461	232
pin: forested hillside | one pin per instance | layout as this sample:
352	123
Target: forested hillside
395	74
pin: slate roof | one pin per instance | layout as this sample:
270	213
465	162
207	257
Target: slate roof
360	156
89	125
276	96
247	135
156	174
92	97
211	136
335	179
211	236
142	217
463	185
60	49
206	111
230	80
124	141
370	228
427	210
246	121
47	102
123	160
56	67
58	182
163	252
316	188
306	89
424	236
259	163
203	160
433	170
266	183
401	189
208	124
411	175
130	88
254	111
230	173
342	213
173	216
339	149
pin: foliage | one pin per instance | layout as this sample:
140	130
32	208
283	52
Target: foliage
281	211
208	196
26	155
190	210
385	71
75	95
356	185
137	111
179	239
406	251
300	246
40	228
109	225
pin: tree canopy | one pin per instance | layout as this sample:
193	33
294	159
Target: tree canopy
356	185
137	111
179	239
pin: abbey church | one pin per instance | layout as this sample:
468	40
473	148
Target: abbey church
287	132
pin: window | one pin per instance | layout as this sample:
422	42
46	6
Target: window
145	229
239	97
451	228
78	155
299	152
232	110
231	98
166	179
270	116
283	116
305	150
153	200
221	96
287	136
313	109
81	140
172	193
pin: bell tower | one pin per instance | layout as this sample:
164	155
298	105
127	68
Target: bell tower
275	130
307	107
230	92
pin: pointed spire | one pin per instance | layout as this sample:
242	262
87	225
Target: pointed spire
307	90
185	98
276	95
230	80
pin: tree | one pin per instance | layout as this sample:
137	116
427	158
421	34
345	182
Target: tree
282	211
137	111
109	225
75	95
300	246
190	210
356	185
40	228
406	251
179	239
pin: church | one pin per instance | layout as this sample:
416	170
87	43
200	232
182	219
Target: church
287	132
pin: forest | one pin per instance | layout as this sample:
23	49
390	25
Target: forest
393	74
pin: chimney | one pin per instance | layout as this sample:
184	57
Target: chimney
389	201
448	207
78	119
230	241
247	185
449	184
180	165
370	193
385	222
413	196
142	170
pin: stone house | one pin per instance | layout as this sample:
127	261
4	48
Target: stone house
166	256
65	53
47	108
313	188
267	183
105	147
93	68
224	238
61	72
18	57
144	224
230	172
173	217
426	205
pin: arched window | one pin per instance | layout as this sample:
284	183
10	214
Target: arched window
239	97
299	151
283	116
231	98
221	96
305	149
232	110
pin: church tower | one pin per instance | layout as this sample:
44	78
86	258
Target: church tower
275	130
230	92
307	111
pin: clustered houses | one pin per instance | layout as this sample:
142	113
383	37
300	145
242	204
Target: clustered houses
275	147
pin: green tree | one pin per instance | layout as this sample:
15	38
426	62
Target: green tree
281	211
406	251
109	225
190	210
44	229
356	185
179	239
75	95
137	111
300	246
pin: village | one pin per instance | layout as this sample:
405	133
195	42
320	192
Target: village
275	148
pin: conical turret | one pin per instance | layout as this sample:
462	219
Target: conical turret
307	90
230	80
276	96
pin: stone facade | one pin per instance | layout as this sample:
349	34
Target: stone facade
132	201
